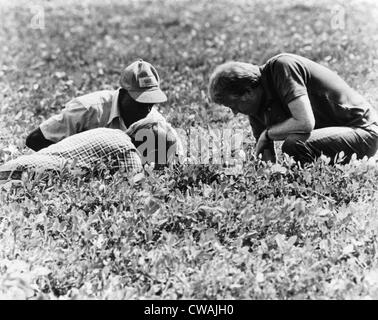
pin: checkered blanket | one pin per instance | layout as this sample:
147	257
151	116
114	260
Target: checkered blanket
111	147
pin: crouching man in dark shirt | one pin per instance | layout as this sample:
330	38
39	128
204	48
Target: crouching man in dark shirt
303	103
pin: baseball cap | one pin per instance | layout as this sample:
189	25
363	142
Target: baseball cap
142	82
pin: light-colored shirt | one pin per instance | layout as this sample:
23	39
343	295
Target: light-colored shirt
94	110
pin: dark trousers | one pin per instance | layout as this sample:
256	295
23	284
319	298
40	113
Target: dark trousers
330	141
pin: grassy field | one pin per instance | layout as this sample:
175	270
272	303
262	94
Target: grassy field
270	232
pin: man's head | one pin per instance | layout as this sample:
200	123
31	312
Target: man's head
142	82
156	142
237	86
140	90
131	110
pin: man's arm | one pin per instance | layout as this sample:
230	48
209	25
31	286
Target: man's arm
302	120
74	118
267	148
37	141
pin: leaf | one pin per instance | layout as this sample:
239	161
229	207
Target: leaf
323	213
41	271
277	168
280	240
372	278
348	249
12	149
18	115
260	277
60	74
291	241
323	244
152	205
139	178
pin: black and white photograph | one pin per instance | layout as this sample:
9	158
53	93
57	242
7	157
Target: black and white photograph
211	151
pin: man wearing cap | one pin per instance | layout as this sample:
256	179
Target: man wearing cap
300	102
117	109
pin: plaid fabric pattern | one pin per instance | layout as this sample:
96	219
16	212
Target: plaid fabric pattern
112	147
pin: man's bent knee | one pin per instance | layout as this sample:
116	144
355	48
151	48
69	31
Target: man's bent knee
295	146
290	145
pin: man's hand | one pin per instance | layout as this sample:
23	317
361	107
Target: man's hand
265	147
262	143
37	141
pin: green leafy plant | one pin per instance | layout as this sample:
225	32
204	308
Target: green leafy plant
263	231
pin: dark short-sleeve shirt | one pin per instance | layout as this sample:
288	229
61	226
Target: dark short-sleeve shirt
286	77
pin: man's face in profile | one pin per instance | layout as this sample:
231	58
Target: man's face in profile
132	110
246	103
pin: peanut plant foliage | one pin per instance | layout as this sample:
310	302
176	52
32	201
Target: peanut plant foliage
264	231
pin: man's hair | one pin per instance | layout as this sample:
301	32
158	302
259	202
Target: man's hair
155	141
232	78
